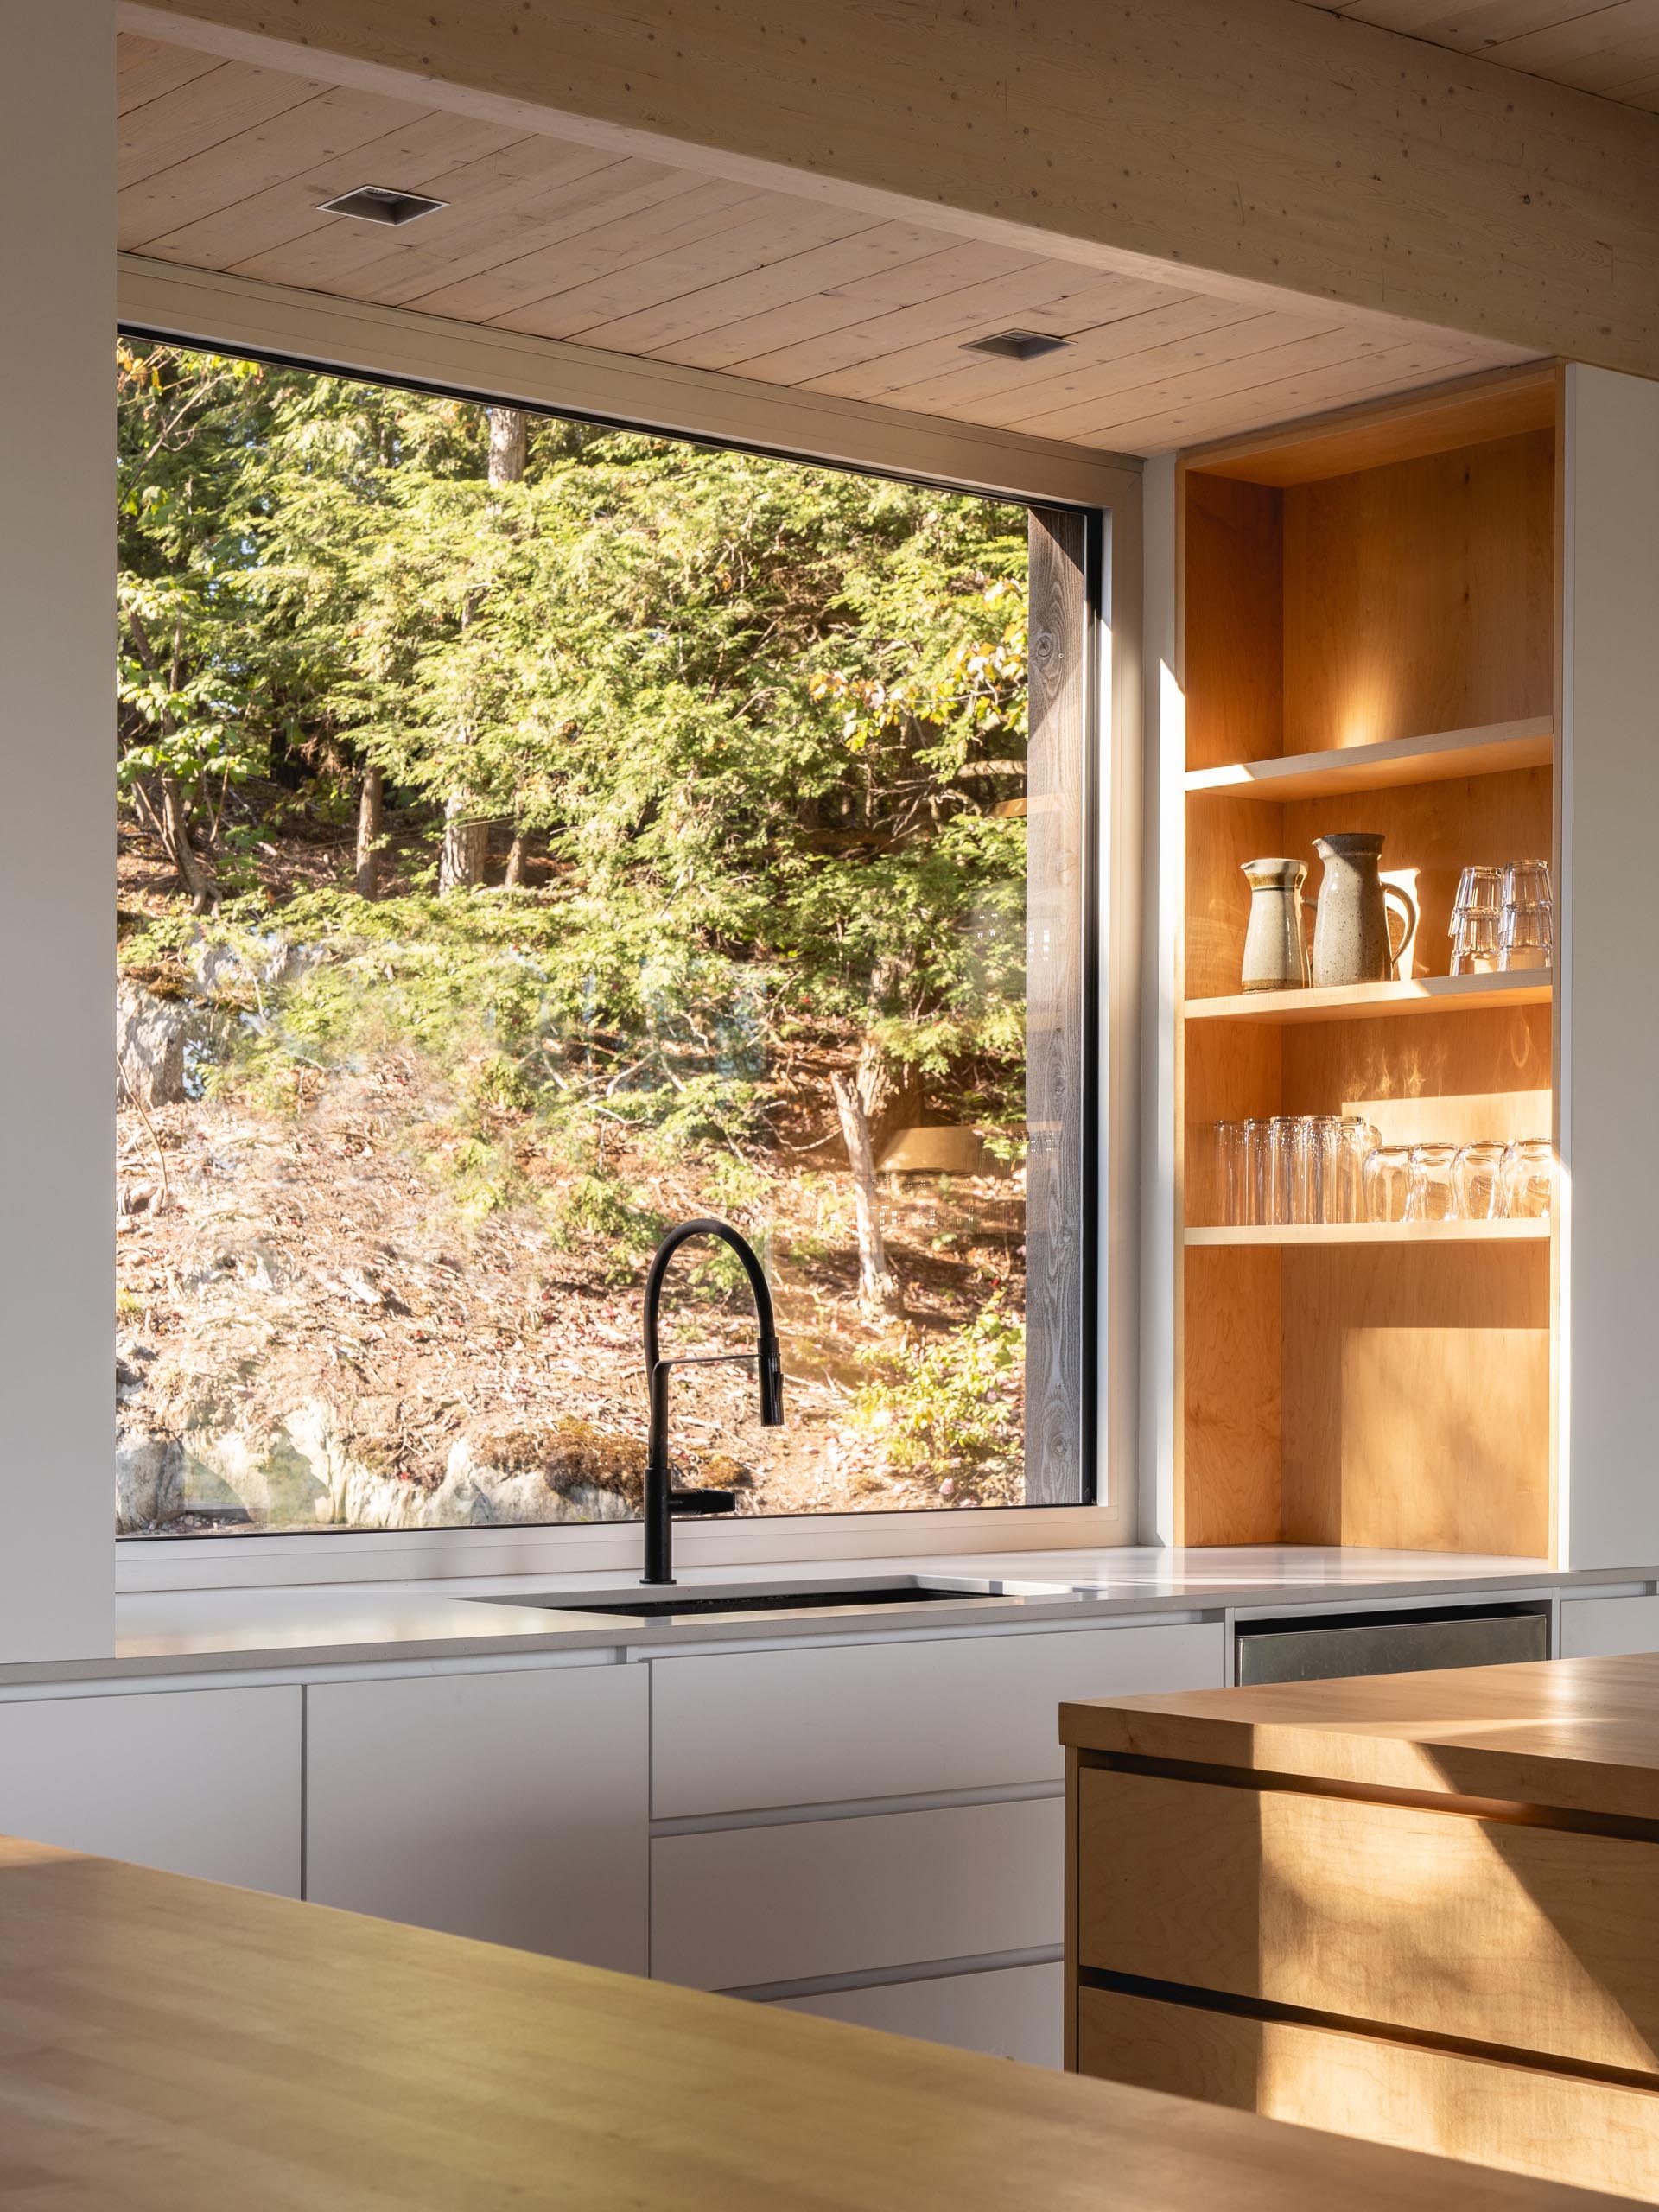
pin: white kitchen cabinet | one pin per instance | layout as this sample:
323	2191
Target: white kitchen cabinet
509	1807
194	1782
1006	2011
745	1908
1608	1627
751	1730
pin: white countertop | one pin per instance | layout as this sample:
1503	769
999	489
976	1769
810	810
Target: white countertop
230	1630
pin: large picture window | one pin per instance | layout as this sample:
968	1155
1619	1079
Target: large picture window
532	833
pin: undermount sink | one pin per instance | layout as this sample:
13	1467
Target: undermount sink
799	1600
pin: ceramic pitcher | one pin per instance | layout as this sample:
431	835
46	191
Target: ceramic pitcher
1350	921
1275	949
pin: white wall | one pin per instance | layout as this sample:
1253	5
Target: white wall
1608	992
57	1065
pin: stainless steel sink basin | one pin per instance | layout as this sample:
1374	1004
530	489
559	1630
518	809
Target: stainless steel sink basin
808	1598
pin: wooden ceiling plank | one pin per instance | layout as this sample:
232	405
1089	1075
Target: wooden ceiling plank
285	213
761	238
1199	326
486	200
144	69
1288	148
1401	369
645	212
335	123
1170	386
975	310
779	329
1476	28
808	274
203	113
1229	335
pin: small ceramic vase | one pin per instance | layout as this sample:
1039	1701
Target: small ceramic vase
1275	947
1350	921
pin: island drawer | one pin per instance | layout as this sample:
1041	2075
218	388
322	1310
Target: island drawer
745	1908
754	1730
1505	1932
1600	2135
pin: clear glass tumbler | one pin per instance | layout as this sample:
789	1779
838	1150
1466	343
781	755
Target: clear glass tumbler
1476	943
1282	1169
1529	1179
1526	883
1231	1201
1255	1173
1388	1170
1480	891
1477	1175
1526	938
1355	1141
1430	1192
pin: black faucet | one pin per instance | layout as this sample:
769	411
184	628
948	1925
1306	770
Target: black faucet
662	1500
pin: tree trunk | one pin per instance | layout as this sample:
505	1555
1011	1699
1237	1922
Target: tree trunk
515	875
862	1097
509	438
465	844
370	800
193	873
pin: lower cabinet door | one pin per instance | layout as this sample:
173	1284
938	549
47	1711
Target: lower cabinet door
1597	2134
745	1908
1008	2012
507	1807
194	1782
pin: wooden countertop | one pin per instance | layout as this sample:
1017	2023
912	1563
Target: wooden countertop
167	2045
1580	1734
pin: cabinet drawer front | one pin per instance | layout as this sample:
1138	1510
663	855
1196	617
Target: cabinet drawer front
1599	2135
1009	2013
746	1731
1536	1939
1608	1627
752	1906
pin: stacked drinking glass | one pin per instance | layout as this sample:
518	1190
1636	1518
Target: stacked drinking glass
1504	919
1526	929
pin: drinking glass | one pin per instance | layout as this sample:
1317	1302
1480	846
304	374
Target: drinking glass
1387	1169
1355	1141
1477	943
1282	1169
1480	891
1529	1179
1526	883
1477	1175
1430	1192
1526	938
1255	1172
1313	1181
1230	1173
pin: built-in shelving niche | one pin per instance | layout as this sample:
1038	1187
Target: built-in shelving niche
1369	626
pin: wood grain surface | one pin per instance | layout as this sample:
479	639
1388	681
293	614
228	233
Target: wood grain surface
169	2046
1542	1940
1602	2133
1581	1734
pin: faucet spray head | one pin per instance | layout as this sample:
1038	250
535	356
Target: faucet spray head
769	1368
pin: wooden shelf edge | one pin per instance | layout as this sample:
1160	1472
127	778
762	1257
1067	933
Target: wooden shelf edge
1491	750
1357	1001
1396	1233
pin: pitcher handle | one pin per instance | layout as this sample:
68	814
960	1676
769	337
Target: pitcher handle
1409	916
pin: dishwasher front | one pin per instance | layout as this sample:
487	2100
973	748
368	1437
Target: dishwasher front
1314	1648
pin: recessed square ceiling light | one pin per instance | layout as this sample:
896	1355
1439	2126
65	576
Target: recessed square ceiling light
1017	345
380	203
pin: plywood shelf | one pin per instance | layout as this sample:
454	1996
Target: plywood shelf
1403	1233
1359	1002
1489	751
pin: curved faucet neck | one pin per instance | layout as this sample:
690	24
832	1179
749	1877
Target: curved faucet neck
707	1226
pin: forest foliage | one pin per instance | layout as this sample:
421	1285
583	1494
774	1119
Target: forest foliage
751	734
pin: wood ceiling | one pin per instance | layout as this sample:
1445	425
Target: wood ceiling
1609	47
222	165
